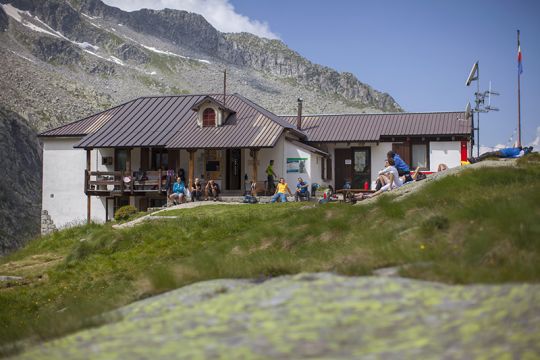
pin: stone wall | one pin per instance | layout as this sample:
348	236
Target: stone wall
47	224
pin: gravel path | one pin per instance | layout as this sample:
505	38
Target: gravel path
319	315
154	215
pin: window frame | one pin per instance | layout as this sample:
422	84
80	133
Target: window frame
206	121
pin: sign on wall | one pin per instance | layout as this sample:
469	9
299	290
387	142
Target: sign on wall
296	165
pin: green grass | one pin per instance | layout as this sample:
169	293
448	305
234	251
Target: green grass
479	226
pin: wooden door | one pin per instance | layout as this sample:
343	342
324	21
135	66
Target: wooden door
343	166
234	161
361	169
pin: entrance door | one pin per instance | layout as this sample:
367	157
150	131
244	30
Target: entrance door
234	160
361	170
343	167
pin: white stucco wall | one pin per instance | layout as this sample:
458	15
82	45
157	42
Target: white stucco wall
63	183
378	156
264	156
444	152
294	151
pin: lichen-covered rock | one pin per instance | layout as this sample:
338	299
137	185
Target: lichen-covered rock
317	315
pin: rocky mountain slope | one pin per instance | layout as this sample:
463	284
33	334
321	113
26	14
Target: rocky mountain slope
65	59
20	182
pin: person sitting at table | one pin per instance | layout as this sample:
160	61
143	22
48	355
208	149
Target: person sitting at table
301	190
196	190
211	189
177	195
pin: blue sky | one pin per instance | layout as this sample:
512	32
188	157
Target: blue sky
419	51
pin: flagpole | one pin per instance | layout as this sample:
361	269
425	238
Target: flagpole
519	93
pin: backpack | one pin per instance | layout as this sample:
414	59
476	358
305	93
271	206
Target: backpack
248	199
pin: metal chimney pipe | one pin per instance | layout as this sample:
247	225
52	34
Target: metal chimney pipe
299	117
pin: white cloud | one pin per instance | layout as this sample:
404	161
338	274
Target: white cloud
536	141
485	149
220	13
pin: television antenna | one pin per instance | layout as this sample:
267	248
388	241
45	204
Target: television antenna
480	103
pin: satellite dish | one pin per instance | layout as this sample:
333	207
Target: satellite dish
468	111
473	75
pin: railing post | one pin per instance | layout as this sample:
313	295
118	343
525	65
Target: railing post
87	181
159	181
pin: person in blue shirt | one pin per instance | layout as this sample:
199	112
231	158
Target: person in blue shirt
301	190
400	165
177	196
513	152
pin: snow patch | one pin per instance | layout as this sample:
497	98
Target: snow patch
116	60
15	14
89	17
22	56
169	53
85	45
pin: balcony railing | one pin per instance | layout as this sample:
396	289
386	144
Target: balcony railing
124	181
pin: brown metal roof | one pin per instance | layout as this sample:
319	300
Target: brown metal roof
371	127
250	126
84	126
169	121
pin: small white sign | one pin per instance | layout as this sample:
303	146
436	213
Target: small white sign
348	162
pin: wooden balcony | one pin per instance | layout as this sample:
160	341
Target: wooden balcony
119	183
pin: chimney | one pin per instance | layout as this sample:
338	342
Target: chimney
299	117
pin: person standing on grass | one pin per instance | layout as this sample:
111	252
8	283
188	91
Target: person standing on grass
270	174
281	188
178	191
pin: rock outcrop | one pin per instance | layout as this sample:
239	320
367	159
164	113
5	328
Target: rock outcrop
20	182
318	315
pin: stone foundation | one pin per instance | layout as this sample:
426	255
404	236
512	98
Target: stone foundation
47	224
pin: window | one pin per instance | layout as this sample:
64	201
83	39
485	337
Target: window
419	156
209	118
160	159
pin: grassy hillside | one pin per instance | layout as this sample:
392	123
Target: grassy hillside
479	226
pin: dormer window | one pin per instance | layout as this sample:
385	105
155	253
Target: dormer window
209	118
211	112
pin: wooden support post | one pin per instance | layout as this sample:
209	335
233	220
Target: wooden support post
128	169
191	167
254	153
87	178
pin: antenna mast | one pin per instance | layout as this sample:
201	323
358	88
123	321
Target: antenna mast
225	87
